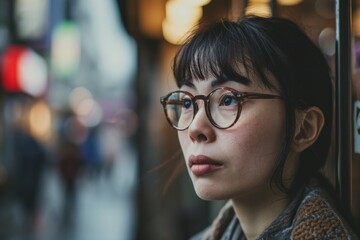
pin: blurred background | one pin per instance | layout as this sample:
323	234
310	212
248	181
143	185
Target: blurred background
85	151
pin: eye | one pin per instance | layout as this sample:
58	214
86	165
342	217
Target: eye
228	100
187	103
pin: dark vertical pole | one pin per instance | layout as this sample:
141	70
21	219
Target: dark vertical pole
343	99
273	7
68	13
246	2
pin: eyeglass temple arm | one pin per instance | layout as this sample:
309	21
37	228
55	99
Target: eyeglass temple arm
259	96
171	101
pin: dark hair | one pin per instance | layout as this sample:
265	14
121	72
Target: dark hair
267	45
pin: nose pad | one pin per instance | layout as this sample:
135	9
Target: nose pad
199	111
201	129
199	115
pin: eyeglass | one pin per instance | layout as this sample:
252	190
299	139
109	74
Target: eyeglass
222	106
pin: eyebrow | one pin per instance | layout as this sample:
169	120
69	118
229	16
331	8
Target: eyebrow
238	79
217	82
187	83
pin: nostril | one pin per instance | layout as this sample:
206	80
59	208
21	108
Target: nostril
198	138
201	137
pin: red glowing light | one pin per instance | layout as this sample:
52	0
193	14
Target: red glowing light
10	68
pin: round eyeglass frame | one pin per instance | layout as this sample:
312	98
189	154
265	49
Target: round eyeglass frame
241	98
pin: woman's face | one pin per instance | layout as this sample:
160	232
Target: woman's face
236	162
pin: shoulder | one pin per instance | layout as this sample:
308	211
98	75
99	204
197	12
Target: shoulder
317	218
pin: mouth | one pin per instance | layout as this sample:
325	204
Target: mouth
200	165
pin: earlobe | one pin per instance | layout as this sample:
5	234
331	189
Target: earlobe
309	123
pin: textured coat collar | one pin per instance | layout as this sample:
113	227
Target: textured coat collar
311	215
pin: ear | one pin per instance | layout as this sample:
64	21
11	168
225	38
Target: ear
309	123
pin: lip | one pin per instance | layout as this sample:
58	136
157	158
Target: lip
200	165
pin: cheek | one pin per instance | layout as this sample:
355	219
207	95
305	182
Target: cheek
183	140
259	137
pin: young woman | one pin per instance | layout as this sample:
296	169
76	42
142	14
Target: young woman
253	114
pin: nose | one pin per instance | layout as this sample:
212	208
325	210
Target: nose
201	129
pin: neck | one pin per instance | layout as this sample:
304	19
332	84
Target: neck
256	215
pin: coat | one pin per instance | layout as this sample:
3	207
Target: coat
311	215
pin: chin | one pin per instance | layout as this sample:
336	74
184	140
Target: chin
210	194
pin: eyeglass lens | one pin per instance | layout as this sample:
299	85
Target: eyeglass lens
222	108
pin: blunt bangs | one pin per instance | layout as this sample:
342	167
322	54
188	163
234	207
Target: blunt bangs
219	51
